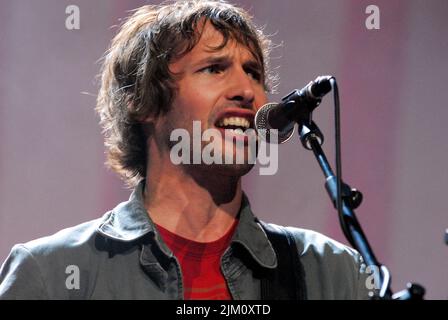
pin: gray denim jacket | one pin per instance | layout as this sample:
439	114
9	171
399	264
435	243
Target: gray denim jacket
122	256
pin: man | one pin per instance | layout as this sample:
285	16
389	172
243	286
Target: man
187	231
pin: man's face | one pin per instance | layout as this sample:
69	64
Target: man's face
220	88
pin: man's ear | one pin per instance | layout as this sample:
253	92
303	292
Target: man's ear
148	125
151	119
151	123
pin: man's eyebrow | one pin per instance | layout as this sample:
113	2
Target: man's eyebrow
252	63
213	60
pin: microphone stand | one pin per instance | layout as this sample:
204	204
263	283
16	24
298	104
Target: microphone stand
312	138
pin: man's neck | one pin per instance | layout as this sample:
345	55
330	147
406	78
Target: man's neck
197	206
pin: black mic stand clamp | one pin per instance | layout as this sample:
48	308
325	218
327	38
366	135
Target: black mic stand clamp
413	291
312	139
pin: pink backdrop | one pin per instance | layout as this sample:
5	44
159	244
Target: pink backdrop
394	108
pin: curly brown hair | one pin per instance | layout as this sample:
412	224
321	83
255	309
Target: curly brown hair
135	79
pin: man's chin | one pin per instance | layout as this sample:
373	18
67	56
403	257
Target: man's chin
234	170
227	170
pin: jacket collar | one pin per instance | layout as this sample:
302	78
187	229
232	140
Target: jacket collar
253	238
130	221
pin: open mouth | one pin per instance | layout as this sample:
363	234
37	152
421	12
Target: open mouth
234	124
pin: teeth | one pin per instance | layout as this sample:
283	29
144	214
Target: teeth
234	121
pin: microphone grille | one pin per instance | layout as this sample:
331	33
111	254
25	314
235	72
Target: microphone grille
261	117
265	131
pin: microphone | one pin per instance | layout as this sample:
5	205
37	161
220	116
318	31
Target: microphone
295	107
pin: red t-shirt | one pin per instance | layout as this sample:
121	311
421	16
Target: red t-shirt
201	265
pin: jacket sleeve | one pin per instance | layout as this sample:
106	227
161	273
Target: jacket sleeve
21	277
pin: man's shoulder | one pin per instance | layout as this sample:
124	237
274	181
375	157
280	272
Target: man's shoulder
71	238
315	243
74	245
38	269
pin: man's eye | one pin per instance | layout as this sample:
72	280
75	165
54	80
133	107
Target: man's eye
214	68
254	74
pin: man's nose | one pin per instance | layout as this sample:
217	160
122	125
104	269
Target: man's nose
241	88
